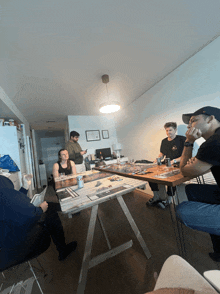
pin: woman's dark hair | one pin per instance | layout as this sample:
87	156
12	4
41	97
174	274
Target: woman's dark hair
170	124
59	158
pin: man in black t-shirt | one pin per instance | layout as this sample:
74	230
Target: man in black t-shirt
171	147
202	211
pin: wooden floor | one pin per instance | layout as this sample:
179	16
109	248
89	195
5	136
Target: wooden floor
129	272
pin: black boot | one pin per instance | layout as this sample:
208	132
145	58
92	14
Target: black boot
215	256
216	246
69	249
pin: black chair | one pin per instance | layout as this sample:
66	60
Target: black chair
38	243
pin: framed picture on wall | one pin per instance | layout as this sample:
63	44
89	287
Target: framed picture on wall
105	134
93	135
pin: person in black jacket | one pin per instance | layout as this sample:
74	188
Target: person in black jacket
25	229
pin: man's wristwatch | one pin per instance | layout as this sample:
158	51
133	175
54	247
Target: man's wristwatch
175	161
188	144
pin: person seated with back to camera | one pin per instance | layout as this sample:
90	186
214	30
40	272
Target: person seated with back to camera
63	165
25	229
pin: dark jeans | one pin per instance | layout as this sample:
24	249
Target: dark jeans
170	190
52	223
202	211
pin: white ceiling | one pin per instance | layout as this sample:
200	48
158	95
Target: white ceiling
54	52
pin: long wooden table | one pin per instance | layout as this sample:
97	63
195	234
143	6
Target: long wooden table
91	196
163	176
151	173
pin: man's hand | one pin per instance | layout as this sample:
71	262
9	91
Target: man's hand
44	206
83	152
193	134
191	160
27	181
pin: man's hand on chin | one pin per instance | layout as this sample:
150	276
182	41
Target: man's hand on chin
193	134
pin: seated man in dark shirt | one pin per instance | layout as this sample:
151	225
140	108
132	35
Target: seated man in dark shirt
202	211
23	233
171	147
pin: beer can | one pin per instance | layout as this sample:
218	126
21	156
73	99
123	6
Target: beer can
158	161
80	182
167	162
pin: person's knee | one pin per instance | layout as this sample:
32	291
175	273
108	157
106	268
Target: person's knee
182	211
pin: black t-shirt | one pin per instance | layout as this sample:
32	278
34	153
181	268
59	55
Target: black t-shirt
174	148
209	152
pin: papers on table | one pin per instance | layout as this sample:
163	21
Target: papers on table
69	202
38	198
168	174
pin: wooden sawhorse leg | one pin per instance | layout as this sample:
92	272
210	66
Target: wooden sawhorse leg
88	249
87	262
133	226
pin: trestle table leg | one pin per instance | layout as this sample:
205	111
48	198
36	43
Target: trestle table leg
87	253
104	232
134	226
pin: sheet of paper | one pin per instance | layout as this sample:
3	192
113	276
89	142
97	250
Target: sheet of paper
38	198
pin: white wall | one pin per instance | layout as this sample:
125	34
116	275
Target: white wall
81	124
194	84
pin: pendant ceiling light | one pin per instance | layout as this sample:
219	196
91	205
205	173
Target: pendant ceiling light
108	107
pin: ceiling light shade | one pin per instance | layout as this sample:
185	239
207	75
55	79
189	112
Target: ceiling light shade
108	107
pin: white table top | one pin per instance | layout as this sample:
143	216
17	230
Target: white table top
91	195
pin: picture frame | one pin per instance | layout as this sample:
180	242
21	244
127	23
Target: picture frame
105	134
93	135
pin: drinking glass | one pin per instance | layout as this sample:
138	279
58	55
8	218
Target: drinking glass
171	169
62	175
159	169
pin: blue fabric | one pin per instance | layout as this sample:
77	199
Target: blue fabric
202	211
7	163
17	215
